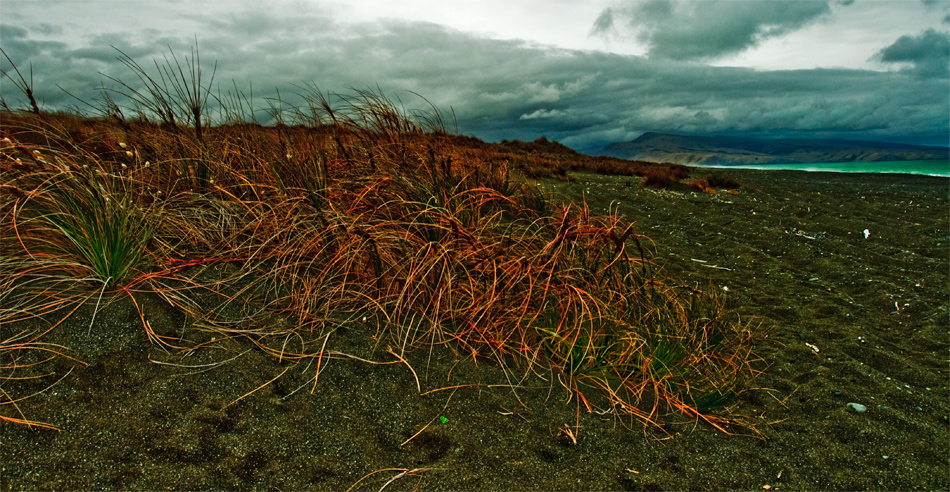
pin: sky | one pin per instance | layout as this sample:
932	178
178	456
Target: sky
585	73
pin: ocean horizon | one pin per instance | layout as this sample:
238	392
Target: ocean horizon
939	168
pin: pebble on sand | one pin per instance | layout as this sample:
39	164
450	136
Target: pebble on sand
857	407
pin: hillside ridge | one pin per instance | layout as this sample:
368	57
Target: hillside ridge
719	150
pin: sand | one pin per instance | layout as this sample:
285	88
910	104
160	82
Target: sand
852	319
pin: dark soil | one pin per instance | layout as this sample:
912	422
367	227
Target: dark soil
852	320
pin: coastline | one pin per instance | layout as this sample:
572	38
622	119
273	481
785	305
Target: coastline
934	168
789	248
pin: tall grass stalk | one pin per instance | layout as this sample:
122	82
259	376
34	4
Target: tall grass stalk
177	93
20	83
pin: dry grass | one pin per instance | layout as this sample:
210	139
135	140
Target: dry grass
366	212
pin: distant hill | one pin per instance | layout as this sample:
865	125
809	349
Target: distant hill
685	149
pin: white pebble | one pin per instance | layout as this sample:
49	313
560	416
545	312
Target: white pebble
857	407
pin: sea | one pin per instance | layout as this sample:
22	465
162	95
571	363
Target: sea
930	167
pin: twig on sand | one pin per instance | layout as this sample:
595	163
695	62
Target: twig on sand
402	473
259	387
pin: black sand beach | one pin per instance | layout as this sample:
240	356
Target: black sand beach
853	319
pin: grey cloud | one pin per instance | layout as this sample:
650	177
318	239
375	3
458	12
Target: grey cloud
604	23
19	45
104	48
928	52
46	28
697	29
503	89
941	5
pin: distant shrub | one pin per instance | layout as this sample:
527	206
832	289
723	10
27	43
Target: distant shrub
658	176
717	180
701	184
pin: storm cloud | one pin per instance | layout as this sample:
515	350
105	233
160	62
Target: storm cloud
517	89
928	53
702	29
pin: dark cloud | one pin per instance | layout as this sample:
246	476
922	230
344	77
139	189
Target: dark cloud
697	29
928	53
509	89
17	44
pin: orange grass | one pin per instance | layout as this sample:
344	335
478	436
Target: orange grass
373	211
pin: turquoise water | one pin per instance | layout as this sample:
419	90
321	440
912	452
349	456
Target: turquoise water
930	168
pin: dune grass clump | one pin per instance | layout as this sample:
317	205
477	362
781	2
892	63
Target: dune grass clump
359	210
717	180
662	176
99	228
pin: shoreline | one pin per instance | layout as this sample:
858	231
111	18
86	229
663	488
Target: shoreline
838	167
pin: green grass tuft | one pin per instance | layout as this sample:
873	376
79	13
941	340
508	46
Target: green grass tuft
100	227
